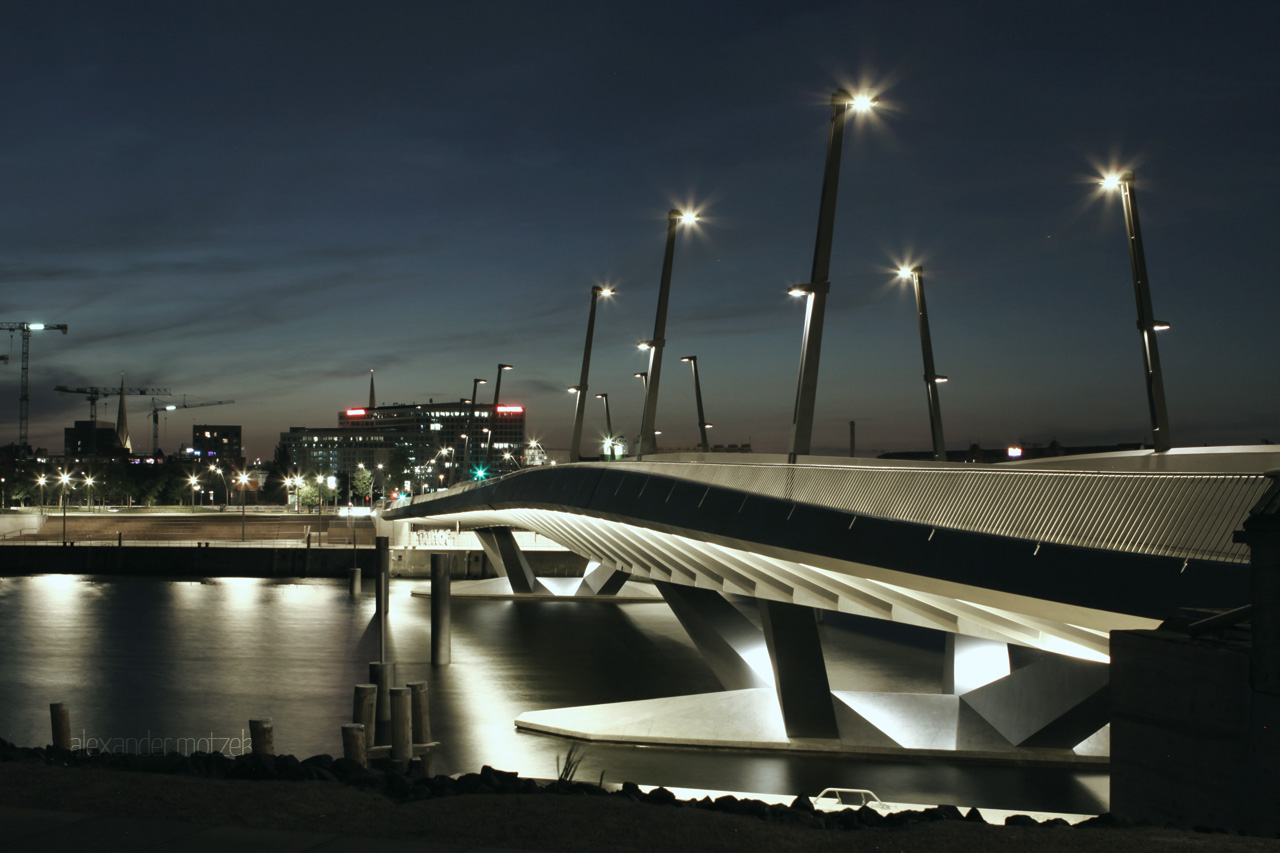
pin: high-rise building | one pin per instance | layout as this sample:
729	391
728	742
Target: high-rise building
418	443
217	444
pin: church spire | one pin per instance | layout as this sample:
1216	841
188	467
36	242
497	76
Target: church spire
122	421
372	404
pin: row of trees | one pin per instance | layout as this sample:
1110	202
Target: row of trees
168	483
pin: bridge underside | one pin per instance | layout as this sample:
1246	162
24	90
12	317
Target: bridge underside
971	560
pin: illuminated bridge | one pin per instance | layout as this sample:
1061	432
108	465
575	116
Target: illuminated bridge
1011	562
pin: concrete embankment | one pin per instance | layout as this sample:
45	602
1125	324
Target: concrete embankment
254	562
184	561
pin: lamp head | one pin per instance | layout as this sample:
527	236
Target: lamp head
505	367
689	358
645	345
1115	179
862	103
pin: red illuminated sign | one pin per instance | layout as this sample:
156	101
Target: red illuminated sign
510	410
355	413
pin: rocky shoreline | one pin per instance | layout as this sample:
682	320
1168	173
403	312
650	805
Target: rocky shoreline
500	807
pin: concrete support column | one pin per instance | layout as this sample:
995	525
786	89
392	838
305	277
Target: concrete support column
601	579
799	672
970	663
500	547
1262	534
441	610
727	640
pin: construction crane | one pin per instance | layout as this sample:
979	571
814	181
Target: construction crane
156	409
23	396
93	392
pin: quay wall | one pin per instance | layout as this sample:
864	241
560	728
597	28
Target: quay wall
255	562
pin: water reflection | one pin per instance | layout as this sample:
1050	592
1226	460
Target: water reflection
183	660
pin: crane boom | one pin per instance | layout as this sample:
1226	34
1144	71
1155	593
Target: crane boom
155	417
93	392
24	398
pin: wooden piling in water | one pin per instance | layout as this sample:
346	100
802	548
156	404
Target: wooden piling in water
383	675
421	712
401	725
353	743
353	580
60	722
364	710
262	735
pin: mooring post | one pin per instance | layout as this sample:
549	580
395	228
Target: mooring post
383	546
262	736
383	675
353	743
364	710
60	720
441	609
354	582
401	726
421	712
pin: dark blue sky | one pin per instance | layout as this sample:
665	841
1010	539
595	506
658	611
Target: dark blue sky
263	201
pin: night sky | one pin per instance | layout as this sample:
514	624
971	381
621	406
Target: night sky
263	201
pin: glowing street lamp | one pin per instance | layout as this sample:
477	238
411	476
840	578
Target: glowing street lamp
608	425
64	480
41	480
842	102
88	482
931	377
195	487
1147	324
497	389
243	481
697	393
648	439
214	469
597	291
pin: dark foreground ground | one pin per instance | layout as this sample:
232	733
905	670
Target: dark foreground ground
576	821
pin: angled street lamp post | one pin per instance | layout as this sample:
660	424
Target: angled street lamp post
471	416
608	426
1147	324
697	393
842	102
597	291
931	377
648	438
497	389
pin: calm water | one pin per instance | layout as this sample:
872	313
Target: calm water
142	661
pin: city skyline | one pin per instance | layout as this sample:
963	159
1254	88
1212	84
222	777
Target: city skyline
264	202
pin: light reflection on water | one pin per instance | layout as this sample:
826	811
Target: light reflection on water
142	658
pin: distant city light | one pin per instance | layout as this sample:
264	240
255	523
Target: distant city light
1014	452
355	413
